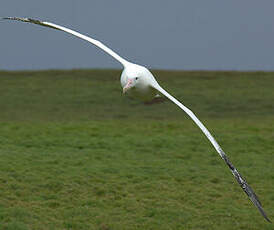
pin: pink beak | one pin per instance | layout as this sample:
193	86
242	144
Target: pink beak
128	85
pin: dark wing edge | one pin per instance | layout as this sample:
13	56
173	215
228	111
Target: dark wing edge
245	186
29	20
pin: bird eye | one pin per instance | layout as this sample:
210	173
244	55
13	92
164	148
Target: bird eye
136	78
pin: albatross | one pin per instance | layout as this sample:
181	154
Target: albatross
138	82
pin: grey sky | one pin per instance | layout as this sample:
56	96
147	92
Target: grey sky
175	34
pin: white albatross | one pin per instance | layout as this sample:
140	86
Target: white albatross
139	83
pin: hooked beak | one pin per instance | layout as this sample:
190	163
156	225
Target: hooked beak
128	85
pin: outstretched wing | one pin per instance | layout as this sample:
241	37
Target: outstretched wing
57	27
247	189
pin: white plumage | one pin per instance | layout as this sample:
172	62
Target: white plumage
138	82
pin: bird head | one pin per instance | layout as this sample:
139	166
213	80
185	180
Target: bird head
131	82
137	81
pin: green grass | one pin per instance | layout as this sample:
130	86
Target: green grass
76	154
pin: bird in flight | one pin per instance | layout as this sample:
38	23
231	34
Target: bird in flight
138	82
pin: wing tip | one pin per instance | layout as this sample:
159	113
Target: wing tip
257	203
21	19
15	19
5	18
254	198
264	214
28	20
269	221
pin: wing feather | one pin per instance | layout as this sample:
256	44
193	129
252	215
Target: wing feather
244	185
84	37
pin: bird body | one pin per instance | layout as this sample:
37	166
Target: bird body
138	82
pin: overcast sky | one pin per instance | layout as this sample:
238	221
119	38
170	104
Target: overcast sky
175	34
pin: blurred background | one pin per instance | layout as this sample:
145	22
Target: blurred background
190	35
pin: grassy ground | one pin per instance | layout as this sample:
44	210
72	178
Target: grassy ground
76	154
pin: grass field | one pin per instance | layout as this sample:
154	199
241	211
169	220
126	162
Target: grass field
76	154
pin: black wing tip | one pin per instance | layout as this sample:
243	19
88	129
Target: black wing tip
268	219
260	208
254	198
264	214
13	18
20	19
31	20
4	18
247	189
